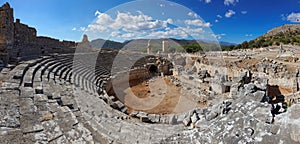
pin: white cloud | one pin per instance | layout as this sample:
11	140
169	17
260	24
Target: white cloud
115	33
194	15
82	28
162	5
283	17
244	12
128	35
97	28
197	22
219	16
170	21
79	29
207	1
230	2
168	33
216	20
97	13
229	13
193	32
104	19
248	35
177	32
218	36
126	25
293	17
127	22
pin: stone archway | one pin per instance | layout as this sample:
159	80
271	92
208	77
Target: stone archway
153	69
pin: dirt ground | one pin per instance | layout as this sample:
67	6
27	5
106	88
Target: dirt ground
162	93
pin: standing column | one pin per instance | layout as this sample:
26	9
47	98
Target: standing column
164	45
149	47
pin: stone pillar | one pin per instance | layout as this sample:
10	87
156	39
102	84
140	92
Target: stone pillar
295	84
85	43
164	45
149	47
281	50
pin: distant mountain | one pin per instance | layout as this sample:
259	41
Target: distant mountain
141	44
286	34
101	43
222	43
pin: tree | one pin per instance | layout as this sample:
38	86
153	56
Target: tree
245	45
192	48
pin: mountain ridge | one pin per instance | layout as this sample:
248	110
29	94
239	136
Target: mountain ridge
101	43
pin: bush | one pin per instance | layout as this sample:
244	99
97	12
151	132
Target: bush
192	48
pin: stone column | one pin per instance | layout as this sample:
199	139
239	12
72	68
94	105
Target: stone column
164	45
149	47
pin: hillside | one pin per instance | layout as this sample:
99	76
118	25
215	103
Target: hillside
286	34
178	45
101	43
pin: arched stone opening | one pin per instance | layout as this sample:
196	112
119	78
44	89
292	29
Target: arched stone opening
153	69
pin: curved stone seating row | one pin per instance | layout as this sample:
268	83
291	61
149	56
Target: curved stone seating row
38	118
83	78
62	115
115	126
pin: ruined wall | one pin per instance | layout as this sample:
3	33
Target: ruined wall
6	31
123	80
19	41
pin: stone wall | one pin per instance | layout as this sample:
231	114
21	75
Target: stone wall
19	41
6	31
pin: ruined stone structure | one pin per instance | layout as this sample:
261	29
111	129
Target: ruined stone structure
6	31
19	41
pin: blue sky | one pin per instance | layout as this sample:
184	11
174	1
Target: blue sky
225	20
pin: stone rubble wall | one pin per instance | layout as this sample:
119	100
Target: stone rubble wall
18	40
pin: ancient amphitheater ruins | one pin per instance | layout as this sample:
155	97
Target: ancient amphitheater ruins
65	92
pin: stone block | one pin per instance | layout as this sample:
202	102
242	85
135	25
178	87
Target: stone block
186	121
52	130
27	92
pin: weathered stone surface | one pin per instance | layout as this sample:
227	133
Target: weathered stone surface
194	118
27	92
30	123
263	114
186	121
154	118
259	95
37	137
10	135
211	115
52	130
27	106
9	110
65	119
40	98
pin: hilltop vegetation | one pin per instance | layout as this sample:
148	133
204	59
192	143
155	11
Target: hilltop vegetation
286	34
